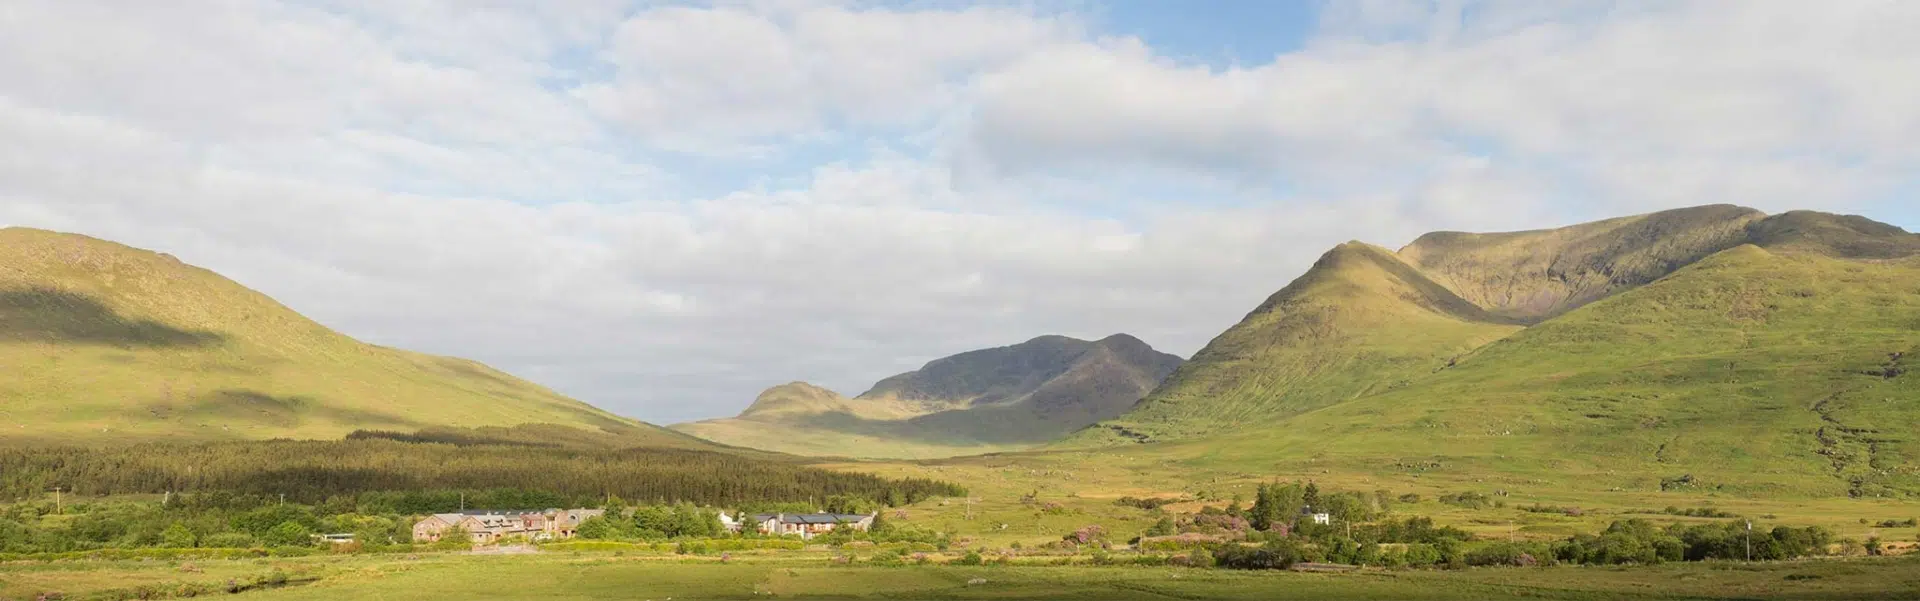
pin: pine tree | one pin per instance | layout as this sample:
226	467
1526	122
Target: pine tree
1266	511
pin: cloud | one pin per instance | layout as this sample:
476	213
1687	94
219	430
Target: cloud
501	181
1770	89
695	78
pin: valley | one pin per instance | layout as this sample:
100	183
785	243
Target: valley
1557	411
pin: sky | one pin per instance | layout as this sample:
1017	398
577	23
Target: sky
663	208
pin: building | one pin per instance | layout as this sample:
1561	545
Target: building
335	539
806	525
491	526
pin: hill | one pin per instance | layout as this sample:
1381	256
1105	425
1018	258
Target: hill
100	341
1708	347
979	401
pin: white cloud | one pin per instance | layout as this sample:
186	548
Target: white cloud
695	78
499	180
1774	86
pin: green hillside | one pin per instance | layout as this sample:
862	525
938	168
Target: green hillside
980	401
1360	322
99	341
1776	365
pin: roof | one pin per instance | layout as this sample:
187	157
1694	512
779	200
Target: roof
811	518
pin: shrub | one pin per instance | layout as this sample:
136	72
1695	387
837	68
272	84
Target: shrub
1087	535
1508	554
1275	555
228	540
1421	555
1147	504
1469	500
972	558
1179	542
1164	527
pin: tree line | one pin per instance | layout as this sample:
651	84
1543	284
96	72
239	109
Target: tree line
315	471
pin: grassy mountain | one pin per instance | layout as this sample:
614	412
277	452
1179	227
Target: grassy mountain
99	341
1359	322
979	401
1779	362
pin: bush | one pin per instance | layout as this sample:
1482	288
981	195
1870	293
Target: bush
1164	527
972	558
228	540
1421	555
288	534
1275	555
1147	504
1469	500
1509	554
1087	535
1181	542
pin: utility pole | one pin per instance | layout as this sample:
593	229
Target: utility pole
56	501
1509	531
1749	540
463	502
283	498
969	507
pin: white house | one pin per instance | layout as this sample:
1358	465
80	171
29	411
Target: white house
809	524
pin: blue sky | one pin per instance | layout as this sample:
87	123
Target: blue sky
664	208
1219	34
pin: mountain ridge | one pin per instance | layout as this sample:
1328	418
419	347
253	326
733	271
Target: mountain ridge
1364	321
977	401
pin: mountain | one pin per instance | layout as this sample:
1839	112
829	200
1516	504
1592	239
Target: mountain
979	401
100	341
1715	347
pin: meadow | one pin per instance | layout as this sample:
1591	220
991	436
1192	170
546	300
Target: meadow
590	576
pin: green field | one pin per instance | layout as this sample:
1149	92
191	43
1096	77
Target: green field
815	576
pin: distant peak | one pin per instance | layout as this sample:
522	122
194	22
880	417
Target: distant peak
791	396
807	388
1052	339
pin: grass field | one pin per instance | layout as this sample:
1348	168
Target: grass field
813	576
1084	486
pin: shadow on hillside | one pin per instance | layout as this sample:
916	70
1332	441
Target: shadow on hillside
248	407
1017	424
49	315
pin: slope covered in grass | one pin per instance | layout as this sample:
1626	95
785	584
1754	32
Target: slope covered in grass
1360	322
974	402
1780	365
99	341
1752	372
